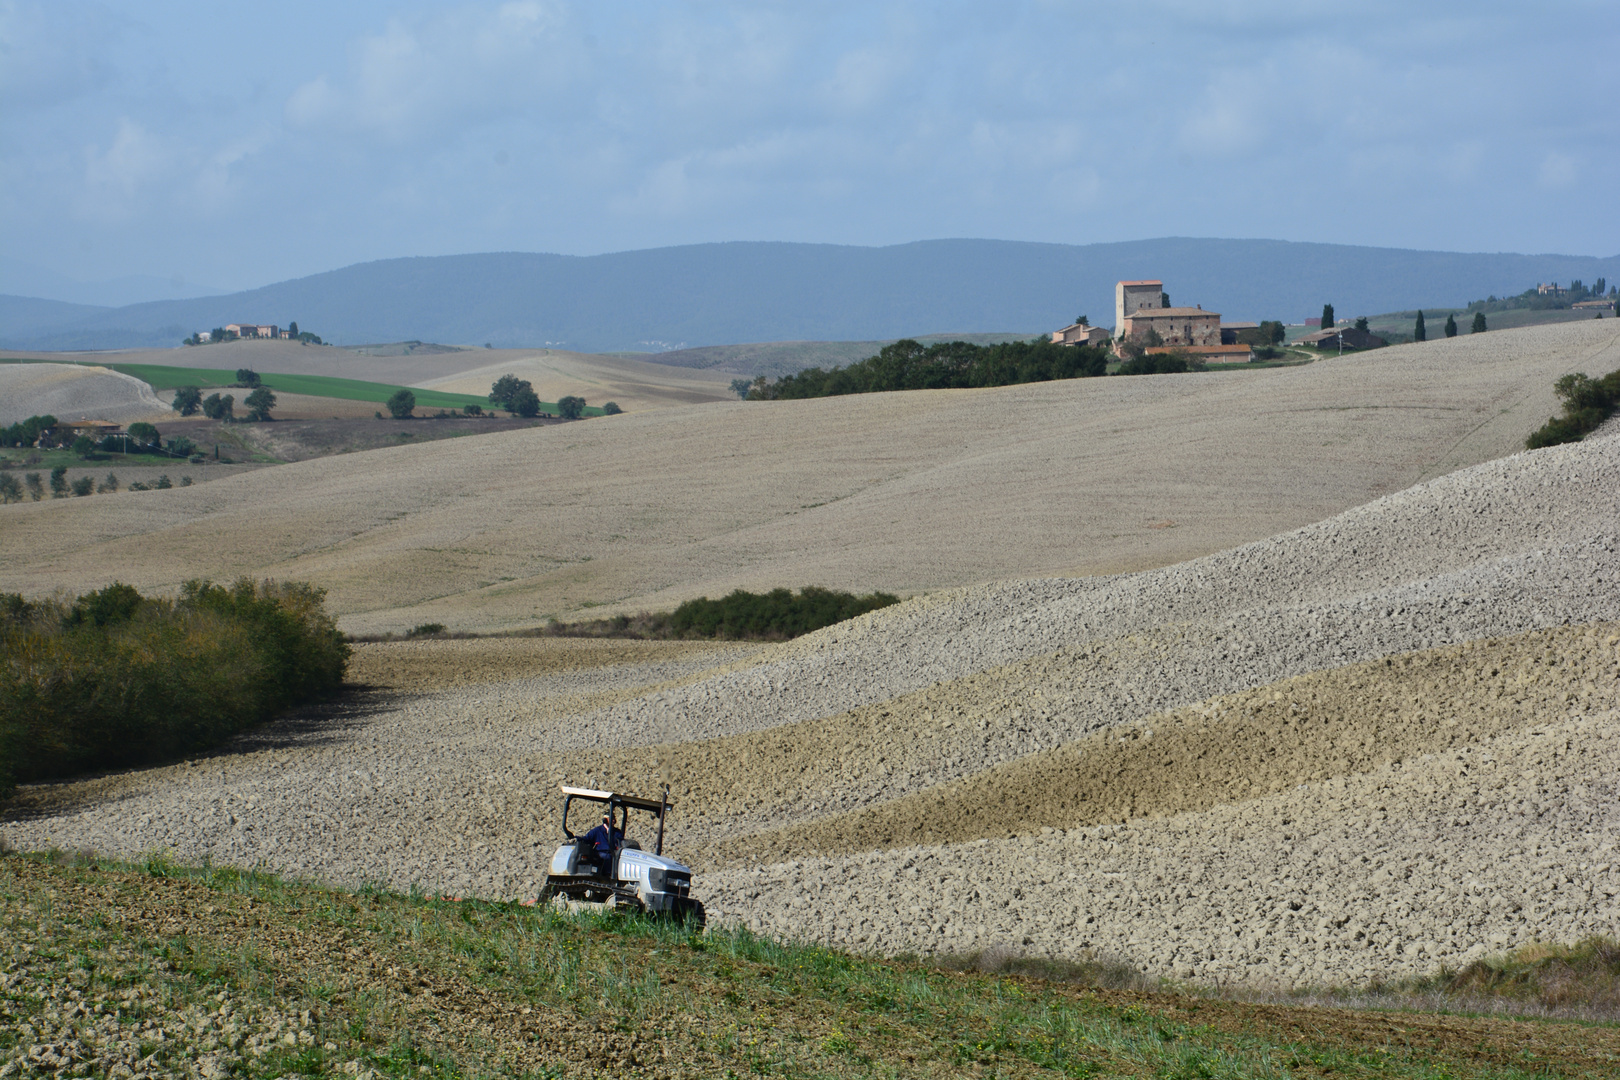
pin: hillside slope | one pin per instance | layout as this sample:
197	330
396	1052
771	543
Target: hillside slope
716	294
903	492
1357	750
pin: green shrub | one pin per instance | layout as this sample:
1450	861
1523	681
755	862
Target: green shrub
36	487
427	629
1168	363
116	679
401	404
570	407
83	486
10	489
219	406
611	408
59	482
1587	402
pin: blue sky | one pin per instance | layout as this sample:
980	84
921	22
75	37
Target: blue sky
233	144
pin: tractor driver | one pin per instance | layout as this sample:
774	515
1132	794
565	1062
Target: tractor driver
605	839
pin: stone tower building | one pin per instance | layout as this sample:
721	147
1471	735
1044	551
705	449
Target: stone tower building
1132	296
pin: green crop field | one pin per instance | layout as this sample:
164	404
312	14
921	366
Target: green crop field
165	377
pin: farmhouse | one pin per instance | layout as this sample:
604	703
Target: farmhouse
1186	327
252	330
1347	337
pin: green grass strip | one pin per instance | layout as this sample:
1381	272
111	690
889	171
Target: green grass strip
168	377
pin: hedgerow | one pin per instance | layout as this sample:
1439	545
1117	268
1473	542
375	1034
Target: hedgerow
1587	404
115	679
776	615
739	616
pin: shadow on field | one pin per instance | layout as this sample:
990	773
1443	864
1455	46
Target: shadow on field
325	723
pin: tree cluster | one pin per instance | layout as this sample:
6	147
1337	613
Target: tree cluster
115	679
1269	332
188	400
1535	300
910	365
28	432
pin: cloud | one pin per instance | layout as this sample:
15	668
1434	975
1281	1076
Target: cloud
417	80
53	53
117	178
1558	170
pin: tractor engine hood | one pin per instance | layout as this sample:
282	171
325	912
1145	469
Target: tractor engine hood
653	873
635	866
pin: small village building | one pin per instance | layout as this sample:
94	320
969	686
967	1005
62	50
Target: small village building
96	429
1133	296
1080	334
1347	337
1186	327
254	330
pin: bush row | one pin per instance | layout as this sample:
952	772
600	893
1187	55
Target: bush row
115	679
1587	404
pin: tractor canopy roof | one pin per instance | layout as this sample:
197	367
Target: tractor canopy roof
653	805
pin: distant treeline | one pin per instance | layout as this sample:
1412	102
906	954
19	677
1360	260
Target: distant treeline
910	365
1558	300
115	679
740	616
1587	404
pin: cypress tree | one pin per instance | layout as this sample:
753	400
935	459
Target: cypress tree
1327	316
1418	332
1479	323
1451	326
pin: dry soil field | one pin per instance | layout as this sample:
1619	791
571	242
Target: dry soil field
902	492
71	392
1358	749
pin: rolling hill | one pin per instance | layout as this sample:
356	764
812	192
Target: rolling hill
717	294
905	492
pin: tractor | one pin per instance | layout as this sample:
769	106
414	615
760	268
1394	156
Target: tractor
628	877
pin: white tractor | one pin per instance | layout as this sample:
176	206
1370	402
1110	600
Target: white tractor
627	877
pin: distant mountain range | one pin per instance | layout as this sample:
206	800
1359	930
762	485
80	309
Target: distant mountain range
718	294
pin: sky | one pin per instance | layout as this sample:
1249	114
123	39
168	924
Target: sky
185	146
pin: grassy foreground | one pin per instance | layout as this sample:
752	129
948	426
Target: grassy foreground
117	970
